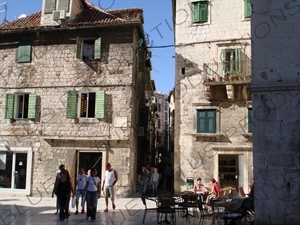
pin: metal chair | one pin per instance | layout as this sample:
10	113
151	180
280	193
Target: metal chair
166	206
146	208
204	214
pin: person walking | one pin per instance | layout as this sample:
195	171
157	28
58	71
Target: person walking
57	178
111	178
92	190
81	181
62	190
144	178
169	177
154	181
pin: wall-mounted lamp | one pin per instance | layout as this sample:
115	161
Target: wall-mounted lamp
20	163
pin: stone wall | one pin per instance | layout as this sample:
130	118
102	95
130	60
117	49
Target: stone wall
53	71
197	155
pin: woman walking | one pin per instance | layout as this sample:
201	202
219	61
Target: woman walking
92	190
63	191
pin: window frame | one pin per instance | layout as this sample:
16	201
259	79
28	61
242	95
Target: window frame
207	128
52	5
80	47
247	9
202	7
24	52
12	106
88	102
73	109
234	64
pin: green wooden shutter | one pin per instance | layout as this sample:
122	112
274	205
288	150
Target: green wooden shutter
223	60
195	12
24	52
249	120
237	59
211	121
71	105
100	104
247	8
50	6
97	49
201	121
9	106
79	48
203	9
63	5
32	106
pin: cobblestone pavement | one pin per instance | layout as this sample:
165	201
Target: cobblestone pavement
36	211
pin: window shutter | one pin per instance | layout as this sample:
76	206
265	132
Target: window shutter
203	9
79	48
211	121
63	5
32	106
50	6
9	106
249	120
97	50
195	12
71	105
247	8
201	122
24	52
223	60
100	104
237	59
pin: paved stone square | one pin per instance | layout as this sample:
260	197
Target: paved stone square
36	211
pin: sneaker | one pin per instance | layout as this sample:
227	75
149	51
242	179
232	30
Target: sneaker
76	212
105	210
113	206
87	218
92	220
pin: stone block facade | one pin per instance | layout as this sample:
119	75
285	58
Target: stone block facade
205	49
51	138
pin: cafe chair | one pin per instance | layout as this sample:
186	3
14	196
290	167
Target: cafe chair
205	215
165	207
237	215
146	208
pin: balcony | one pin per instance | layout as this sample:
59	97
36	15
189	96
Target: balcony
230	72
227	80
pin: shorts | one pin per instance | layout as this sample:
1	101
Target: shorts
109	192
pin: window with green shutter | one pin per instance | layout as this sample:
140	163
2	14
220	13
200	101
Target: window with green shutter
249	120
199	11
206	121
9	106
71	104
50	6
24	52
231	61
100	104
88	48
247	8
20	106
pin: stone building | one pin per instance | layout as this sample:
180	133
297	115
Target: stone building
73	79
275	29
162	127
213	128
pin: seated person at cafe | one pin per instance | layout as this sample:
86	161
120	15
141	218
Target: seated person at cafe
215	190
199	187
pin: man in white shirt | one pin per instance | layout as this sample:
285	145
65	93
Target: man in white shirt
80	182
111	178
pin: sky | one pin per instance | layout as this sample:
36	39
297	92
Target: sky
157	24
